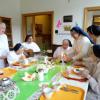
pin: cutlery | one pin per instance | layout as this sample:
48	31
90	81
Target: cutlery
69	90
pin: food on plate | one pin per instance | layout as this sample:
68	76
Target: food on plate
1	72
74	76
7	72
16	64
29	77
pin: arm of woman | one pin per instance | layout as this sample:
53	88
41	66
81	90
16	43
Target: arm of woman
10	59
22	57
94	82
3	57
57	53
35	47
95	86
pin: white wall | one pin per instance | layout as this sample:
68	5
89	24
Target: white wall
60	8
11	8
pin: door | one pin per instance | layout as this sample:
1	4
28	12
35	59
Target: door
40	26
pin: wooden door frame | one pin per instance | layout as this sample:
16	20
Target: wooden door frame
35	14
86	11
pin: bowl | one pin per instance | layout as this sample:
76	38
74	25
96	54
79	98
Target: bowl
6	81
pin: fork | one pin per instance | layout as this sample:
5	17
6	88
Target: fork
69	90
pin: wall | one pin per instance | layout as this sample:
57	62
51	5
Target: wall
60	8
11	8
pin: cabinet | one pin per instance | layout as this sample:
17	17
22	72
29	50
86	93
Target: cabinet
8	32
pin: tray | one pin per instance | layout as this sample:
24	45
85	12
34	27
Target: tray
64	94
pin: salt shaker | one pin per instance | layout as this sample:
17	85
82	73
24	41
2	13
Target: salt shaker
46	59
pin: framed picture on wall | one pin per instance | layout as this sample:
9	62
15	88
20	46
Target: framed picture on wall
68	18
39	29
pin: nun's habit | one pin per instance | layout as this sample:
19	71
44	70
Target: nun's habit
81	46
95	30
58	52
94	82
12	56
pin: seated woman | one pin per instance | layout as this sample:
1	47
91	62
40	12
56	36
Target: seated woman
94	32
82	43
92	73
29	45
64	49
16	55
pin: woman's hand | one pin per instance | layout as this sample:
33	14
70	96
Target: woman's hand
85	73
78	63
66	58
3	57
22	57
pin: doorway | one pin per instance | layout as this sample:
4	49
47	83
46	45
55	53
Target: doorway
91	16
40	26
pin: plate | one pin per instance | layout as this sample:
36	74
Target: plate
74	76
18	64
7	72
73	93
29	77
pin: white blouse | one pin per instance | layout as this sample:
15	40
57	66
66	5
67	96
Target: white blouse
4	48
13	57
80	48
60	50
32	46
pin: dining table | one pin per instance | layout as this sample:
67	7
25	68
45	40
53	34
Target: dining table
28	89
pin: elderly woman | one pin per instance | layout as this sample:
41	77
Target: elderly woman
93	75
82	43
16	55
94	32
64	49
